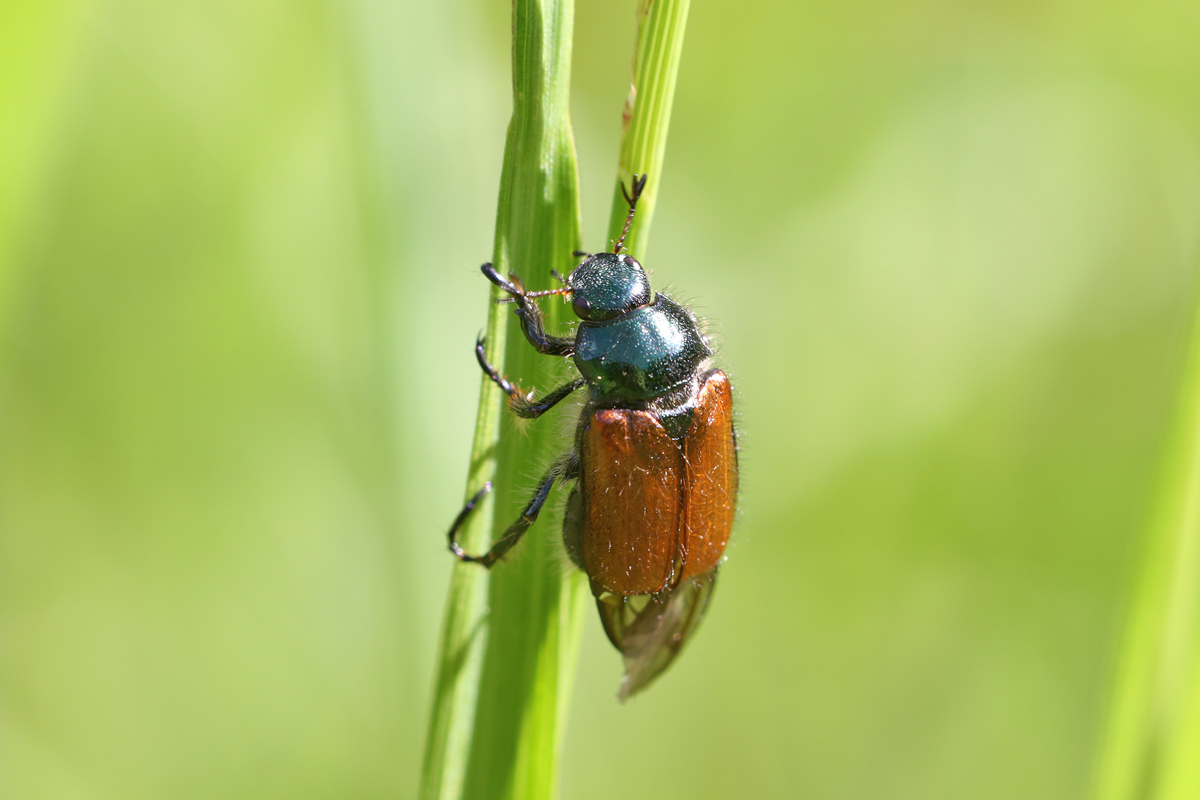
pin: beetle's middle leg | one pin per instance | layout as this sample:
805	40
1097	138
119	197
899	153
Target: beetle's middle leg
566	467
523	405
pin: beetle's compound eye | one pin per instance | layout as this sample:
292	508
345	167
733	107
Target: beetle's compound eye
583	309
631	261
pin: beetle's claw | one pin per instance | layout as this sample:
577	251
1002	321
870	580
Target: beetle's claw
514	286
493	275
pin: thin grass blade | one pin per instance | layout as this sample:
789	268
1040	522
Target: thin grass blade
510	637
647	116
1151	748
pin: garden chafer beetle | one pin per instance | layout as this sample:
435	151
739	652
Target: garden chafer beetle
654	460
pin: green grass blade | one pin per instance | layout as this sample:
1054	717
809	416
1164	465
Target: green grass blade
38	53
500	705
661	25
1150	746
510	638
1181	778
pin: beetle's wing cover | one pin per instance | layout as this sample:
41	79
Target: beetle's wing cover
631	505
650	631
710	477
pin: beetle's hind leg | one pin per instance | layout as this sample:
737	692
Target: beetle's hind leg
564	468
523	405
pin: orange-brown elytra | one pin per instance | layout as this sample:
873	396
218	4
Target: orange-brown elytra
654	461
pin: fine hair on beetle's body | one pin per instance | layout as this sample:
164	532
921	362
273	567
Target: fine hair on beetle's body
654	455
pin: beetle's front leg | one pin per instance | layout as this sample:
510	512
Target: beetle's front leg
530	315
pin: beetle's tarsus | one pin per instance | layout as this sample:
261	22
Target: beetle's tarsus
452	534
481	355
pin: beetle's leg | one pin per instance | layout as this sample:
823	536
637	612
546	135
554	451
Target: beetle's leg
522	404
528	408
565	468
462	516
531	316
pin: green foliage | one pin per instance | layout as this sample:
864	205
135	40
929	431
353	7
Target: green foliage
947	252
647	115
1152	746
505	672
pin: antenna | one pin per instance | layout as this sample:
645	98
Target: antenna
638	184
542	293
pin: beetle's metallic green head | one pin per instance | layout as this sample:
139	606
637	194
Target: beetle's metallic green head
608	285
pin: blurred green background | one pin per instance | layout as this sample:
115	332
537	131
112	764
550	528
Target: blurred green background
947	250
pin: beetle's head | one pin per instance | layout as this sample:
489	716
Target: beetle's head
608	285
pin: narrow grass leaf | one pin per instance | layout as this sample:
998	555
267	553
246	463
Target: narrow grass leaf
1150	747
510	637
647	116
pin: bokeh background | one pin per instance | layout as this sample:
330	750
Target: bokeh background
947	249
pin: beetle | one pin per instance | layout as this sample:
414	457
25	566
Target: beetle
654	460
